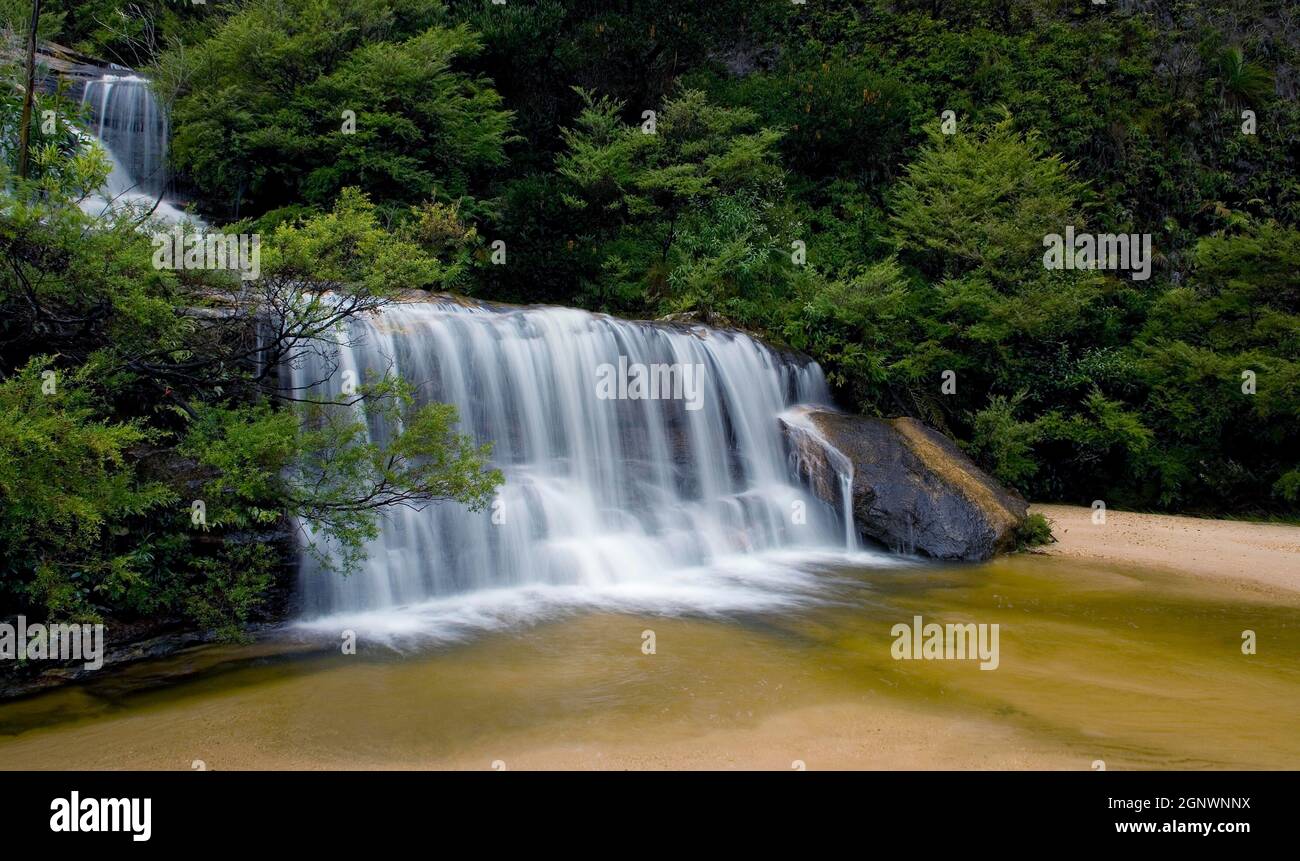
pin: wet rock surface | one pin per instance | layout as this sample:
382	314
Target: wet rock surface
912	489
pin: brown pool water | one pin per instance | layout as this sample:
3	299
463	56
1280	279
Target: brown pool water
1135	668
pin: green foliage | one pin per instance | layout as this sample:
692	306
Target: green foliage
348	246
260	106
1004	443
840	118
1034	532
68	489
230	588
330	475
421	126
692	198
983	201
1244	83
1239	316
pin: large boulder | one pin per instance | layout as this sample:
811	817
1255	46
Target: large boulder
912	489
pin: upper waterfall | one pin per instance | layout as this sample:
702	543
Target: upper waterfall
132	127
644	502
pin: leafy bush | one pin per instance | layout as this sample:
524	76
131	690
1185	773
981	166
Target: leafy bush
1034	532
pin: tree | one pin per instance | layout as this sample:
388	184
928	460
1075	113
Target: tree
638	194
293	101
984	201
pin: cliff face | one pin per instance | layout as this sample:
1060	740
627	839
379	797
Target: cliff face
912	489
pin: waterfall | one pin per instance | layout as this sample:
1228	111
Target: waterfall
626	504
846	505
132	127
796	420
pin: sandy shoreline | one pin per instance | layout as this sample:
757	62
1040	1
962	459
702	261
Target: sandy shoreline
1256	557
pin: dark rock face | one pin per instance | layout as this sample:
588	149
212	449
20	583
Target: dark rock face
913	489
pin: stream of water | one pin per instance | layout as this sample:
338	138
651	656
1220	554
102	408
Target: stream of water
133	129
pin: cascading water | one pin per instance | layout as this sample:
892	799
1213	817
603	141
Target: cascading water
796	420
130	124
846	503
623	504
128	121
